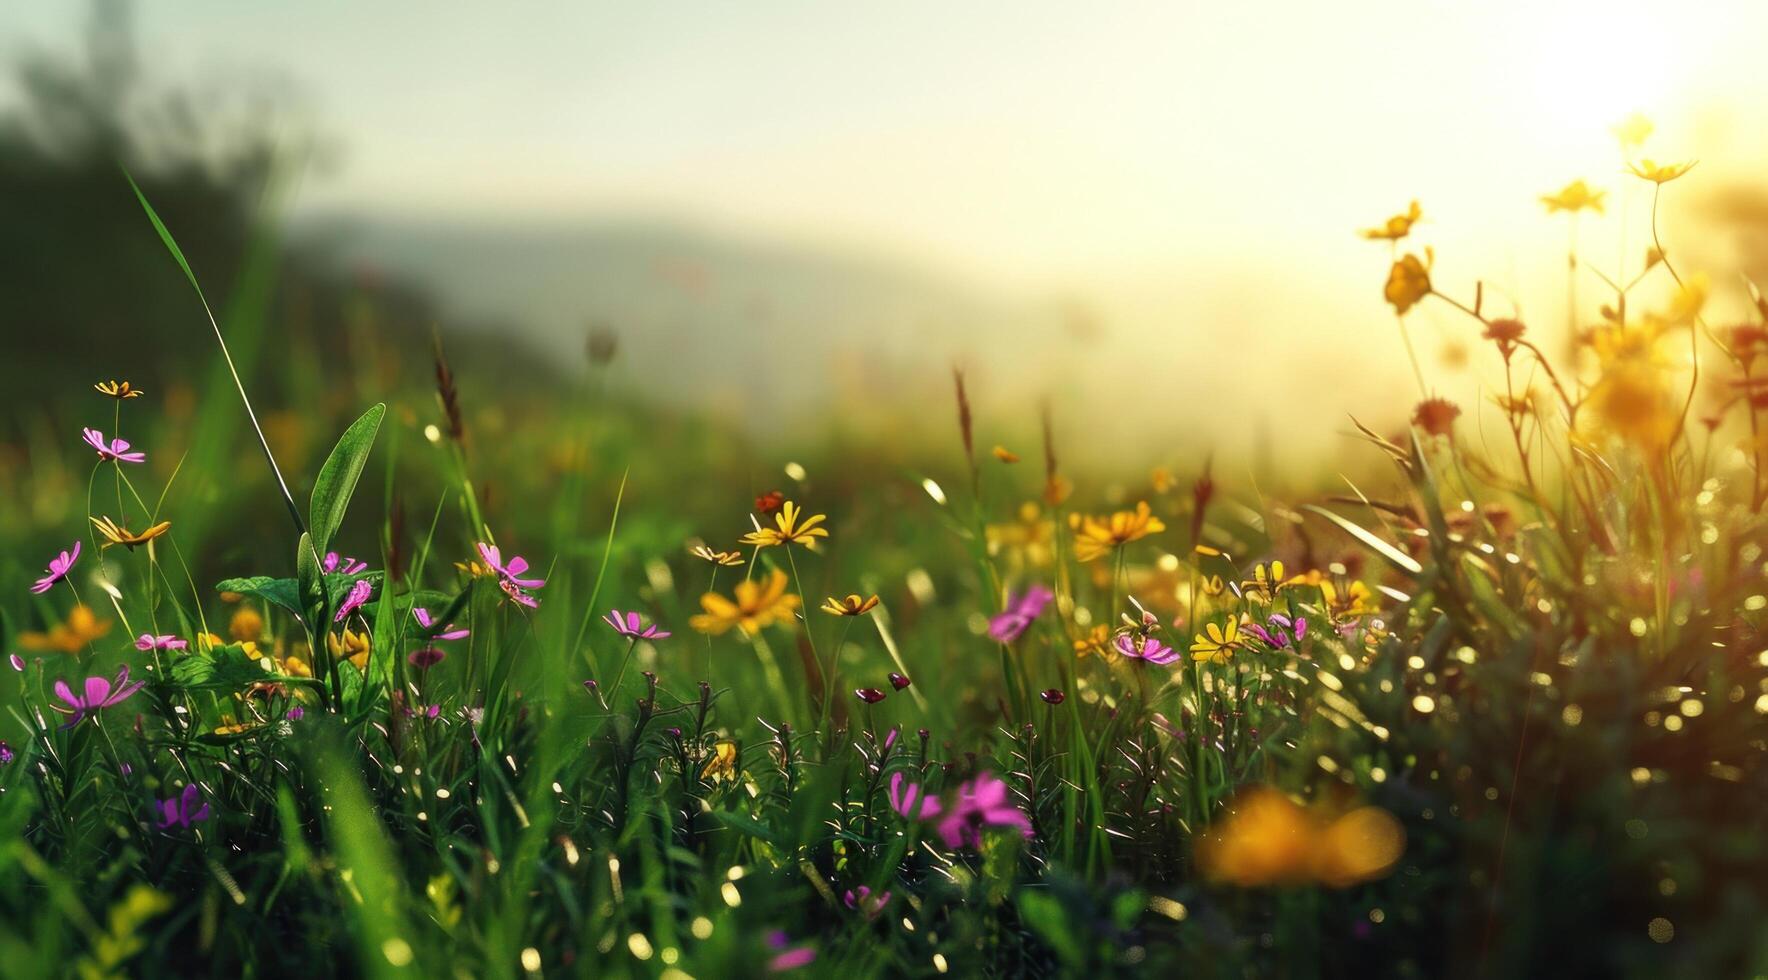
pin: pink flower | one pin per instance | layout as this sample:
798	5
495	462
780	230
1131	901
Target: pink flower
118	449
512	571
632	627
982	803
511	589
344	565
1139	647
98	694
1281	631
787	958
912	802
1021	610
428	622
863	901
426	658
58	569
148	641
359	594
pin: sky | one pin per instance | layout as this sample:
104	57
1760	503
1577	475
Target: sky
1191	173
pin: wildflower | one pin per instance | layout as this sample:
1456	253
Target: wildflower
1053	696
1408	281
296	713
1267	839
1436	416
516	594
1266	581
1356	600
632	627
246	624
722	763
359	593
787	959
117	389
351	646
511	572
1012	622
1162	479
58	569
1632	131
1097	642
425	658
1215	643
97	695
911	801
1281	632
1574	197
6	753
862	900
18	663
869	695
898	681
1005	455
756	606
117	449
113	534
428	622
853	605
80	628
788	529
1633	401
1212	585
1504	332
1660	173
341	564
1140	646
1096	536
148	641
726	558
1396	227
184	809
769	502
981	803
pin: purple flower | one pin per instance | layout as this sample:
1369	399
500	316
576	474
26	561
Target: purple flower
59	567
787	959
426	711
428	622
426	658
898	681
632	627
512	571
1137	646
1021	610
148	641
862	900
344	565
912	801
184	809
98	694
514	591
18	663
1282	631
6	755
118	449
1053	696
869	695
981	803
359	593
296	713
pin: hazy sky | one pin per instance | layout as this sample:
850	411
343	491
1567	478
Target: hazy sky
1193	172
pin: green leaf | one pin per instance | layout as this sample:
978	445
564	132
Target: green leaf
745	824
337	478
1392	554
287	592
227	668
1044	913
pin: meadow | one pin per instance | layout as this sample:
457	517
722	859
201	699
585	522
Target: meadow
396	668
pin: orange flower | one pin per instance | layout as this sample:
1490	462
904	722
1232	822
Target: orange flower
1396	227
1408	281
1095	537
70	636
755	607
1436	416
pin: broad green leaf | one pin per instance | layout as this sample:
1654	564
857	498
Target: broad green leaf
337	478
286	592
227	668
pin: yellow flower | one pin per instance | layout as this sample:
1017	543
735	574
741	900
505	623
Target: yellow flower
756	607
721	765
853	605
1096	536
247	624
1266	581
117	389
727	558
80	628
1028	540
1355	600
1005	455
352	646
1268	839
1574	197
1632	131
1216	642
1660	173
1407	282
1633	400
1097	643
1162	479
787	528
118	535
1212	584
1396	227
474	569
